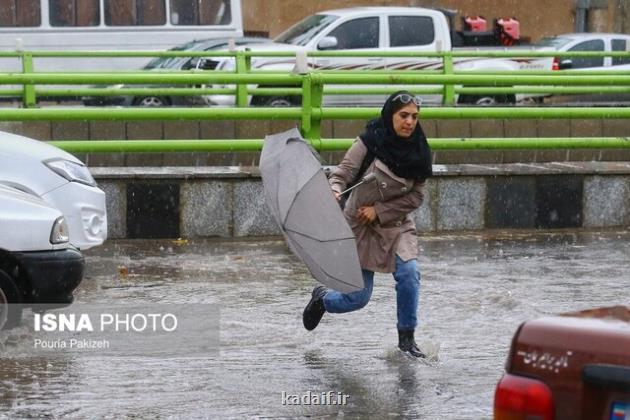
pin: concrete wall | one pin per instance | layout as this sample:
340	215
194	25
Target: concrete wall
331	129
229	202
621	16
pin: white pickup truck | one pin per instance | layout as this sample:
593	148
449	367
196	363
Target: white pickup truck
370	29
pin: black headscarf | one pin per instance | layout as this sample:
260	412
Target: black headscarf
406	157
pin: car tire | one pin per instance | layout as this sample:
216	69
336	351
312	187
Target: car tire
151	101
487	100
277	101
10	303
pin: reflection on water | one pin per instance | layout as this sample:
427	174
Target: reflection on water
476	289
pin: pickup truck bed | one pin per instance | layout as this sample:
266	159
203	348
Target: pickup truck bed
572	366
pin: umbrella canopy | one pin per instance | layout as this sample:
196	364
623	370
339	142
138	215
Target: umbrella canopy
302	203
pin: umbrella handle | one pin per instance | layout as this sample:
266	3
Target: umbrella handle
369	177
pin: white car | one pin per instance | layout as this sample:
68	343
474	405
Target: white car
61	180
38	266
580	42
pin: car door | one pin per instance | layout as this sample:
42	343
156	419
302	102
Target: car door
588	62
413	33
361	34
620	64
592	64
620	45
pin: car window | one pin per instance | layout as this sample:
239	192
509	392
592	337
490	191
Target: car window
306	29
555	41
165	62
200	12
582	62
23	13
410	30
69	13
128	13
356	34
619	45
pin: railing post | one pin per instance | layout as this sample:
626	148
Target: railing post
28	90
449	90
312	95
243	65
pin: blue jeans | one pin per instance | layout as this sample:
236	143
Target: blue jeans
407	279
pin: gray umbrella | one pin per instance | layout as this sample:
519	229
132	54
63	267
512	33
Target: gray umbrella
302	203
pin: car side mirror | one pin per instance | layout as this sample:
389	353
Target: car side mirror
327	43
565	64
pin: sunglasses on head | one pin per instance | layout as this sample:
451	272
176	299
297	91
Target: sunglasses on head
405	98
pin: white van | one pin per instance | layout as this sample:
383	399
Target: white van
61	180
113	25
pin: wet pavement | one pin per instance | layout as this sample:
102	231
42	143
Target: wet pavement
476	289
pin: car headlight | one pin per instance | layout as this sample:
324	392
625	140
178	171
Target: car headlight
59	233
72	171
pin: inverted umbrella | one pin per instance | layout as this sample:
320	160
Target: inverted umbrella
301	201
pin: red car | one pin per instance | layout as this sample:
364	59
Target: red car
569	366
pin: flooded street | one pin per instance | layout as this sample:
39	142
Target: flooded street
475	291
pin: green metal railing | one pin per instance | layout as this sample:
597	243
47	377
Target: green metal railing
243	65
311	118
312	86
326	145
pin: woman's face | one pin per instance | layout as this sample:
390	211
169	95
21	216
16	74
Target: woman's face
405	119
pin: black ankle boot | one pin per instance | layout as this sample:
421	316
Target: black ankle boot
407	344
315	309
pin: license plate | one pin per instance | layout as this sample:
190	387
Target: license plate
620	411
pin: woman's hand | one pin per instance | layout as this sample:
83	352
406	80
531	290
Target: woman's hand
366	215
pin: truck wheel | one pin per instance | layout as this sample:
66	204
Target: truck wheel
151	101
486	100
10	303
